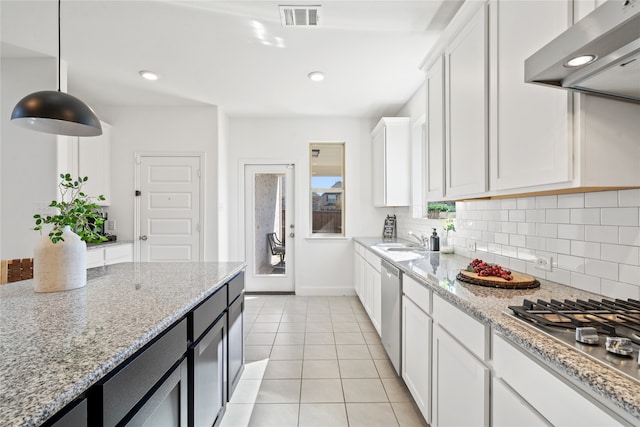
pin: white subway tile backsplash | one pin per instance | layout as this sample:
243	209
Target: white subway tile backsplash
628	198
629	274
619	290
585	216
588	283
546	202
592	238
572	263
600	233
517	240
517	216
585	249
620	254
547	230
558	216
601	199
620	216
527	203
602	269
560	246
630	236
535	215
571	200
526	228
570	231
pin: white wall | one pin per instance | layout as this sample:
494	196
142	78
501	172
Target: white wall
161	130
223	188
323	266
28	158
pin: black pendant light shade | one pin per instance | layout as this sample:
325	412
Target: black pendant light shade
51	111
56	112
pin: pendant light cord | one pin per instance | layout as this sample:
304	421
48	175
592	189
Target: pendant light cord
59	48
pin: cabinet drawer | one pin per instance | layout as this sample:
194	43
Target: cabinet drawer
552	397
418	293
467	330
120	253
207	312
235	287
116	396
373	259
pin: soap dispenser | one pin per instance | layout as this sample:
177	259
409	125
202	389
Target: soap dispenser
434	241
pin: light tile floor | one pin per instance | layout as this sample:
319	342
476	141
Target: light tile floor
316	361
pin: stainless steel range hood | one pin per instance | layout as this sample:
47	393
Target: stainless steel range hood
611	34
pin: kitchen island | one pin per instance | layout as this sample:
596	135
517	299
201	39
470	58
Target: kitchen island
489	306
54	346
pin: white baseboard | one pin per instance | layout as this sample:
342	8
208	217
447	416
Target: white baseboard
324	291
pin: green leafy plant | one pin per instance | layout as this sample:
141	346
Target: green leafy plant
441	207
76	210
448	225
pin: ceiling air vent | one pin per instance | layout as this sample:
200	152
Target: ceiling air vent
300	16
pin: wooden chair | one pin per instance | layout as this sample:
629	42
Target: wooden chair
276	247
14	270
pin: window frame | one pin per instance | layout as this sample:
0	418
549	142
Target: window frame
341	191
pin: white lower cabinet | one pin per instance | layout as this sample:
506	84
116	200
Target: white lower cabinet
98	256
416	348
368	283
547	395
508	409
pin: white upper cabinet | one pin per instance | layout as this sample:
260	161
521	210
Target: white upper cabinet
94	162
466	91
391	162
529	124
434	143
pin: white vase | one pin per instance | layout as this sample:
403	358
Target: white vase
60	266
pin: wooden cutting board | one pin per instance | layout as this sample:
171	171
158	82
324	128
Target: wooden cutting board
520	281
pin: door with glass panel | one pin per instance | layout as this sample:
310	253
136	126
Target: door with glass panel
269	228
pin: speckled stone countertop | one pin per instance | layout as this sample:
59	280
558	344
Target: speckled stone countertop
490	306
54	346
108	244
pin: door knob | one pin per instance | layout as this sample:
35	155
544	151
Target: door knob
143	237
292	234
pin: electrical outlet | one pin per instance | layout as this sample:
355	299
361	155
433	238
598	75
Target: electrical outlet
111	225
543	263
471	246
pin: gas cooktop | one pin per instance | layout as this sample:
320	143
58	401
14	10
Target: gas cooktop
607	331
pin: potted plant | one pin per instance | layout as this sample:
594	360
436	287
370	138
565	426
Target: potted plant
434	209
60	258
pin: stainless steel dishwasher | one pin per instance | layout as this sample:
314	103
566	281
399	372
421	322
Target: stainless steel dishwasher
391	296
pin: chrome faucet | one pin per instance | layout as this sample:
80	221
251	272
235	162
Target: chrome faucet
423	240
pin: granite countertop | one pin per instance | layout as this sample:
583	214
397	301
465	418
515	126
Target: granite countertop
105	244
490	306
54	346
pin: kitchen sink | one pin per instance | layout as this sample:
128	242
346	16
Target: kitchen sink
399	247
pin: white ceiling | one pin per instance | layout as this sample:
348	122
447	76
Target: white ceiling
234	54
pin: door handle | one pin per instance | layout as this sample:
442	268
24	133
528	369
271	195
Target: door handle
292	234
143	237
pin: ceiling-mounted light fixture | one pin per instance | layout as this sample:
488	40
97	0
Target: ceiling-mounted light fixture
56	112
148	75
316	76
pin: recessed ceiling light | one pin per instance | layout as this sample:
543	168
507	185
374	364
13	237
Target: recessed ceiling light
149	75
316	76
580	60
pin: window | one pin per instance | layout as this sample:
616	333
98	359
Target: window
327	189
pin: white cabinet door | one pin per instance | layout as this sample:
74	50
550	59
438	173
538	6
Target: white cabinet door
460	384
94	154
416	355
391	162
119	253
368	293
530	134
357	259
95	257
434	149
376	318
508	409
466	107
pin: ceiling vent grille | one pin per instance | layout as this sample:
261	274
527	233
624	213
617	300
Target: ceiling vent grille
300	16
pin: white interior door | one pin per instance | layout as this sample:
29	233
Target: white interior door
170	204
269	208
